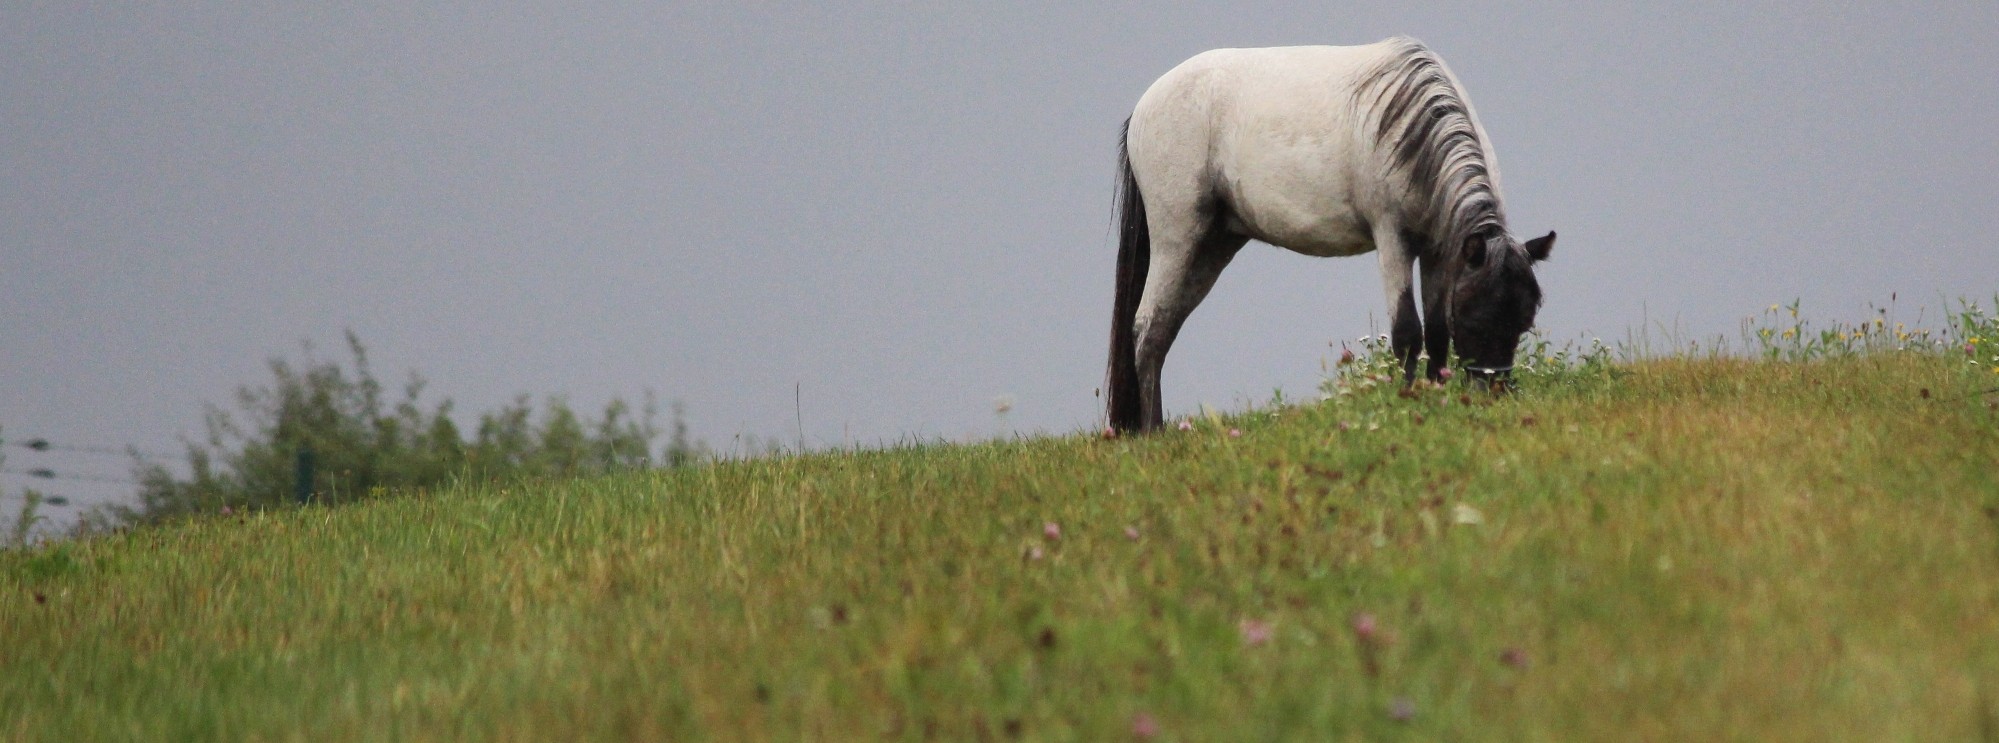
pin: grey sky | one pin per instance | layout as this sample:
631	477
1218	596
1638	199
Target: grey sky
902	209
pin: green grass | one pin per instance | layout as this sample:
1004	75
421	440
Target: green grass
1666	550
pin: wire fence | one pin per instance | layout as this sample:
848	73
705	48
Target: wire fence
45	445
44	473
55	475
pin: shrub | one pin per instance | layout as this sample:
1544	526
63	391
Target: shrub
323	432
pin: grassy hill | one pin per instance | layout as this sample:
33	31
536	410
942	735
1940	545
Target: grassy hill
1668	550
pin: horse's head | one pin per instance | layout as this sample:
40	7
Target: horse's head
1493	302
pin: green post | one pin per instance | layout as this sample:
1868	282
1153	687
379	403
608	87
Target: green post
302	477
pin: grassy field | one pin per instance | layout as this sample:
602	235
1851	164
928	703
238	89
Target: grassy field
1666	550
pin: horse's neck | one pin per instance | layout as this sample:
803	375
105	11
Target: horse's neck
1427	136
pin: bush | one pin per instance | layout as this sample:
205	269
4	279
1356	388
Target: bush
323	432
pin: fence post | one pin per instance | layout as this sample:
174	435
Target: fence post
302	476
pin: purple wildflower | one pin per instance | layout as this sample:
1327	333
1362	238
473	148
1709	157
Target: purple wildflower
1254	632
1401	710
1143	726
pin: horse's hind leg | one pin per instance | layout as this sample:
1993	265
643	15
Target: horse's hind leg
1184	267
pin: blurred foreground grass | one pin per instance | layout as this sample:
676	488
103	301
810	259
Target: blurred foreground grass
1668	550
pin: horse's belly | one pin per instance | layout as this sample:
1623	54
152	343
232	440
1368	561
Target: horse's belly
1294	186
1319	227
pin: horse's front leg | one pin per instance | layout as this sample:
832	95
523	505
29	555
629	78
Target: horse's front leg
1405	329
1436	316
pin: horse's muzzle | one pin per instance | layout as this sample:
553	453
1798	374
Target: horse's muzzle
1497	380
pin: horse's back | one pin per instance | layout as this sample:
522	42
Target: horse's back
1272	132
1286	90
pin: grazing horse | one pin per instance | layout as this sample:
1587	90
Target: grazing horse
1326	151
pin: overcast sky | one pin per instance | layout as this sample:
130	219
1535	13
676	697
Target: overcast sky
902	209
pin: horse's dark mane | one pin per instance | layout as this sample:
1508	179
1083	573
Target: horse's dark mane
1425	122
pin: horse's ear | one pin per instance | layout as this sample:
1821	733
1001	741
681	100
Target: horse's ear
1539	248
1474	251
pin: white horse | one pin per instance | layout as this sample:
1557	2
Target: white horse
1327	151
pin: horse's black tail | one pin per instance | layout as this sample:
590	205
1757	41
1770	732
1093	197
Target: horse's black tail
1134	256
